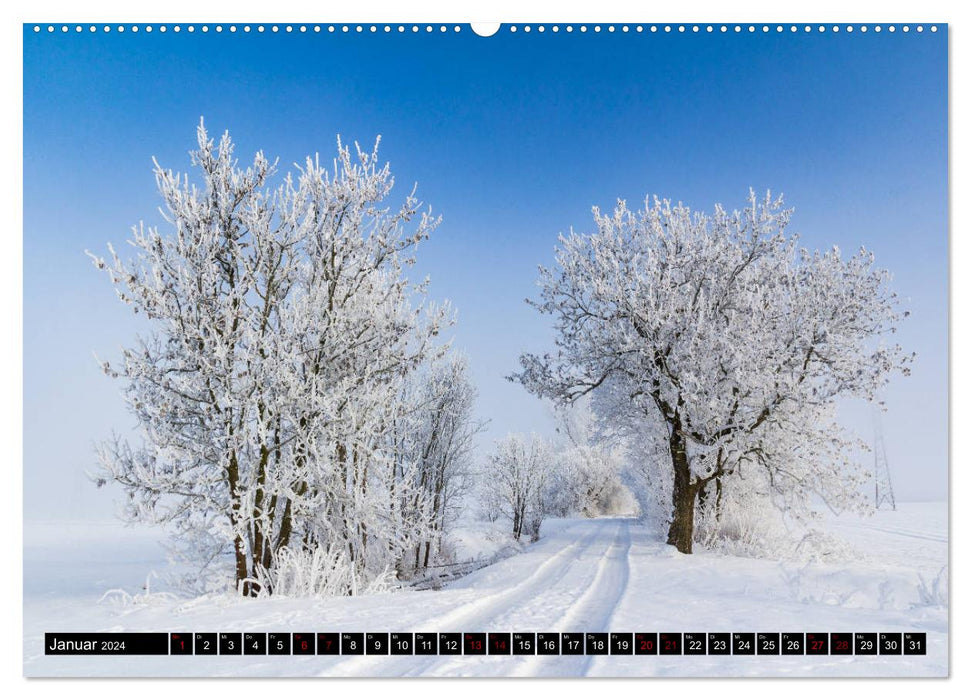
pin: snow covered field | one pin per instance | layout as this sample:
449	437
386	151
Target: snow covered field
608	574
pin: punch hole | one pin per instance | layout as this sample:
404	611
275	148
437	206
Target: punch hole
485	28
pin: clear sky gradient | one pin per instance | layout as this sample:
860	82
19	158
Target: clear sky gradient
512	139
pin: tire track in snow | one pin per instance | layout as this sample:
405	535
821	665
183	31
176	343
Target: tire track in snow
474	615
592	612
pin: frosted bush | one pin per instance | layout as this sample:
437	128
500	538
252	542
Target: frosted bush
752	529
324	571
933	593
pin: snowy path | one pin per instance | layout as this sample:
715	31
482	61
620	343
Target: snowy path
575	578
608	574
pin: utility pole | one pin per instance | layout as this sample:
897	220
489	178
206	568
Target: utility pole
883	488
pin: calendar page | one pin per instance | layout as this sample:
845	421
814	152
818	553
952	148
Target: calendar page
437	349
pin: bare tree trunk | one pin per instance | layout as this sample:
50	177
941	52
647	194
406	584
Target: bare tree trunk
718	499
681	532
239	548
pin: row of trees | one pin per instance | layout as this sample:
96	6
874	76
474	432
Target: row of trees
527	478
296	402
718	347
302	417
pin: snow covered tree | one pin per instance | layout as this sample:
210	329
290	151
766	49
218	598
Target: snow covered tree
518	472
284	330
717	328
586	479
442	440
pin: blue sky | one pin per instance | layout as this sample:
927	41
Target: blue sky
512	139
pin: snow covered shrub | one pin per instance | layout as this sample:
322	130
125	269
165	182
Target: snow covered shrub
740	523
123	599
320	572
817	546
933	593
532	527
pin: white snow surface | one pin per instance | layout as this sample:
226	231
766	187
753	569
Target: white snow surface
583	575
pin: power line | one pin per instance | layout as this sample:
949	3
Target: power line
883	487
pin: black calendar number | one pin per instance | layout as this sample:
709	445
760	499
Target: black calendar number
542	643
743	643
719	643
230	643
840	643
376	642
645	643
352	643
254	643
865	643
304	643
621	643
500	643
571	643
767	643
180	643
597	643
205	643
694	643
915	643
548	643
402	644
891	643
817	643
426	643
474	643
793	643
328	643
669	643
450	643
278	643
523	643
